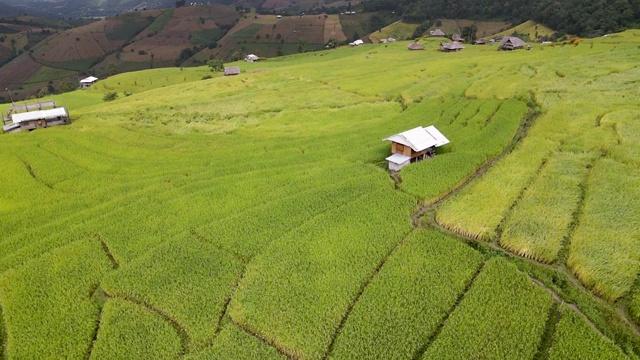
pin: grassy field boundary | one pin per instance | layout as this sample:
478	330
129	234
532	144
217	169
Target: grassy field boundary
423	349
107	251
225	308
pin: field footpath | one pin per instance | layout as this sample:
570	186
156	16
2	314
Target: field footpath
424	217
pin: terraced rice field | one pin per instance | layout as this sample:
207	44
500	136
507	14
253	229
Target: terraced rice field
253	216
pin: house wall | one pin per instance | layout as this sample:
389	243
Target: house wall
400	149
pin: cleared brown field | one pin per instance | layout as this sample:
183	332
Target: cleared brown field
485	28
84	42
16	72
333	29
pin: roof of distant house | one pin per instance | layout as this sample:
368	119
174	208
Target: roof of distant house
437	32
37	115
415	46
90	79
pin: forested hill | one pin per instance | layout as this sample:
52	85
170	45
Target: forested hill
587	18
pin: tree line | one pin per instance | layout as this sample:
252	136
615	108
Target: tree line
587	18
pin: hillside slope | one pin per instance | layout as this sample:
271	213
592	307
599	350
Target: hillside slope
252	216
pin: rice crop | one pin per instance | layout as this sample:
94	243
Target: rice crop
403	305
501	317
575	339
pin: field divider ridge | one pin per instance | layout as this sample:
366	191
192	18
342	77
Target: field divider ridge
3	336
95	294
362	289
231	253
421	351
546	340
509	211
563	253
225	307
182	333
265	340
105	247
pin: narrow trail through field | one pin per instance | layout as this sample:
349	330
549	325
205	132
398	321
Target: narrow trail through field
233	254
423	349
363	287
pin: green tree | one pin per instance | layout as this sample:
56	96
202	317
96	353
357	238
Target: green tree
110	96
65	86
215	65
113	69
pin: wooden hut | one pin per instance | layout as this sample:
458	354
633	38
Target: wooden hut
437	33
512	43
31	120
414	145
415	46
231	70
480	41
457	37
449	47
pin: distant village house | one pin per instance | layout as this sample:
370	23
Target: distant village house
87	82
356	43
457	38
251	58
231	70
415	46
437	33
414	145
449	47
512	43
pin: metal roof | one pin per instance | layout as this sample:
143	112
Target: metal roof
37	115
398	159
90	79
419	138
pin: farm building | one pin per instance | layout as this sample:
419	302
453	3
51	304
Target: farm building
480	41
449	47
414	145
251	58
437	33
415	46
457	38
87	82
34	117
356	43
232	70
512	43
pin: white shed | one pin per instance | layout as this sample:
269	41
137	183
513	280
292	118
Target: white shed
87	82
414	145
251	58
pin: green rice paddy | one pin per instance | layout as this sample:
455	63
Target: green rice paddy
253	216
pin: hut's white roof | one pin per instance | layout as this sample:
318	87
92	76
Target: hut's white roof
398	159
419	138
90	79
37	115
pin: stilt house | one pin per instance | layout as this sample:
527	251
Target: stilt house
34	116
414	145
